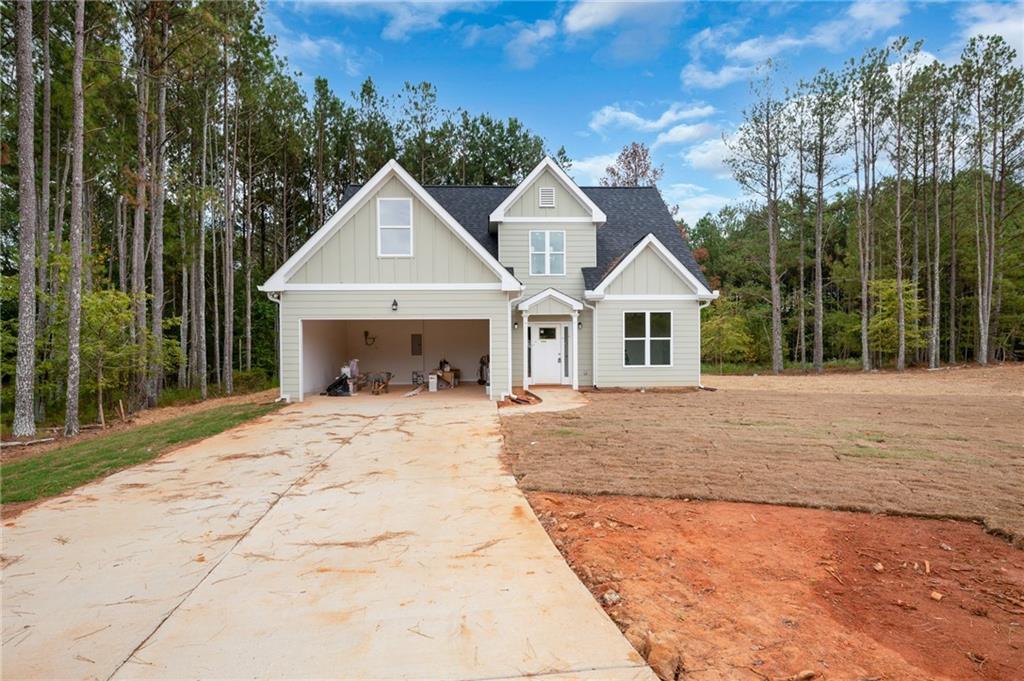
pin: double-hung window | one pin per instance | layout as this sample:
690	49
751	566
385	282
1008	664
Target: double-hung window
394	228
647	339
547	252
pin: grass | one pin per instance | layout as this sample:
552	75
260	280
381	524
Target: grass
62	469
749	368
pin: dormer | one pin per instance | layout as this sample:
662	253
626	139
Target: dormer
547	195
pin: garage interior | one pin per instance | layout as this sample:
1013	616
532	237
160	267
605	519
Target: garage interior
399	346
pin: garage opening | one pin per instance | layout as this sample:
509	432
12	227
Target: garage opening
409	349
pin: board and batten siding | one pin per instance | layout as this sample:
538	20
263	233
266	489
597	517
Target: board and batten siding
648	274
685	369
350	255
412	304
566	205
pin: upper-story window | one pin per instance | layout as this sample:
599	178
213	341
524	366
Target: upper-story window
547	252
394	228
545	197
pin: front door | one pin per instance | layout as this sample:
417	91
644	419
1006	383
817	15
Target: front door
546	353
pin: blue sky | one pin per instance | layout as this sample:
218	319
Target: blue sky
593	76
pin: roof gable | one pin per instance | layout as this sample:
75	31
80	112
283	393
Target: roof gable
279	281
650	243
548	168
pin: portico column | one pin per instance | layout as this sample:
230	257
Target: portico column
526	349
575	346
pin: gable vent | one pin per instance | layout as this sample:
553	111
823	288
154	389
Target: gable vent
546	197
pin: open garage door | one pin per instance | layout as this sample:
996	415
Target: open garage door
403	347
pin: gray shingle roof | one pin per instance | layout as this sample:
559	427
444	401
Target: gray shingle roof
633	213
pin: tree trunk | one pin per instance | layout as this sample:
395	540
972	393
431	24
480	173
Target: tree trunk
139	223
901	322
248	252
154	384
819	220
933	339
183	329
43	237
230	158
24	417
71	425
200	278
120	226
952	246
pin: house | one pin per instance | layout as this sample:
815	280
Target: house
596	283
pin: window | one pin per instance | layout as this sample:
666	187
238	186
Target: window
394	228
545	197
647	339
547	253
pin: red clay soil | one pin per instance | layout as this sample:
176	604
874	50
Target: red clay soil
719	590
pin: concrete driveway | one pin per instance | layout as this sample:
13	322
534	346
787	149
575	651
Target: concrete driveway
364	537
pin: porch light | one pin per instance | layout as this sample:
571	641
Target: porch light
579	325
515	325
394	306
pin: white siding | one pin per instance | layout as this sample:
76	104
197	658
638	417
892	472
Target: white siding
580	251
365	305
685	369
350	255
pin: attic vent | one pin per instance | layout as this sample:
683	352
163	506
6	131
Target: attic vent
546	197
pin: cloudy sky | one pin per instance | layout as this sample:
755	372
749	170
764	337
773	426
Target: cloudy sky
593	76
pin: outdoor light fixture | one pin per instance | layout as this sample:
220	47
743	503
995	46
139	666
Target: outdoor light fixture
515	325
579	325
394	306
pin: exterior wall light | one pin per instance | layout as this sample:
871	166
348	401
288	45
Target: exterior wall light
394	306
579	325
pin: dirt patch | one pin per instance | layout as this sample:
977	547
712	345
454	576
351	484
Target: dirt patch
946	444
718	590
141	418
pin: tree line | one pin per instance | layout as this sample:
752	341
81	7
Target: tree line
165	160
887	223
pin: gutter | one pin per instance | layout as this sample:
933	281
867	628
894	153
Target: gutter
700	306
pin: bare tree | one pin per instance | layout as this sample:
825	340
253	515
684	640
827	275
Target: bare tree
633	167
869	87
141	174
71	425
24	419
756	157
200	279
43	238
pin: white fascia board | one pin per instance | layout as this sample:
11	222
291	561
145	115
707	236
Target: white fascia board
596	214
278	280
550	293
488	286
669	259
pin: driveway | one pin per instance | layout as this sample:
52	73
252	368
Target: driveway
364	537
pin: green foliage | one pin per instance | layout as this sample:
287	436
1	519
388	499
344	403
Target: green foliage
62	469
724	336
883	330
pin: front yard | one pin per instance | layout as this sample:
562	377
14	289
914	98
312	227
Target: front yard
715	527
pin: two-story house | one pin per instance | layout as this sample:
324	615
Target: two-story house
550	282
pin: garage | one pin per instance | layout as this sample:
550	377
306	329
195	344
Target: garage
408	348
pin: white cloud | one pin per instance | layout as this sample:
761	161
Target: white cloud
301	48
1002	19
694	201
709	156
590	170
695	75
682	133
589	16
614	116
528	45
863	19
403	19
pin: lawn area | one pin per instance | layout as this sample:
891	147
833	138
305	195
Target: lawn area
58	470
945	444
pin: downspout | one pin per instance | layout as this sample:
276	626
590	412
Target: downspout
593	343
275	297
508	331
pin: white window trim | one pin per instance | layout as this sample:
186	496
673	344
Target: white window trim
547	252
381	199
540	200
647	340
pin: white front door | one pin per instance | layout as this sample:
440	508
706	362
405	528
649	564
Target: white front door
546	353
